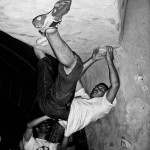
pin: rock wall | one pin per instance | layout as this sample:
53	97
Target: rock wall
127	126
87	24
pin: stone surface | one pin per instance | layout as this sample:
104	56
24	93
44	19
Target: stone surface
129	121
87	24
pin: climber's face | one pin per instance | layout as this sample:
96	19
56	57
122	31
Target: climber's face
98	91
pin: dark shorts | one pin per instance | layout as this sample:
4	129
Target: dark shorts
54	95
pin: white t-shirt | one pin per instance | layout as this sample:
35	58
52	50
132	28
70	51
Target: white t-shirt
85	110
39	144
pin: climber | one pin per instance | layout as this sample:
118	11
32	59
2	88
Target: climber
84	109
48	90
56	98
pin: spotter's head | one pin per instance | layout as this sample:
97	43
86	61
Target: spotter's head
44	128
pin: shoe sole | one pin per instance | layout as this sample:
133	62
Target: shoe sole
60	8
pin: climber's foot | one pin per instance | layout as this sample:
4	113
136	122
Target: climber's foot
54	17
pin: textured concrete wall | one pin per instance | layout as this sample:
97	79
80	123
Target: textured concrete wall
88	23
127	126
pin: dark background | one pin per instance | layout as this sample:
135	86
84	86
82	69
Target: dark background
18	80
